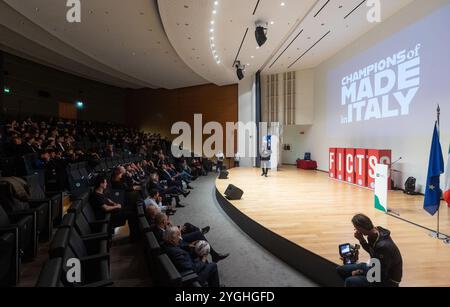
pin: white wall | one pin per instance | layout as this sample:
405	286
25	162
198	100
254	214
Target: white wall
304	100
414	150
295	136
246	115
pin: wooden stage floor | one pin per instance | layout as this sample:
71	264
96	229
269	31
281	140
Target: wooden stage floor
314	212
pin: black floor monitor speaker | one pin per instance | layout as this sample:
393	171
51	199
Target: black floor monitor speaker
223	174
233	192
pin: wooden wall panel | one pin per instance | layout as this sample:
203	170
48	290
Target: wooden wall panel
158	110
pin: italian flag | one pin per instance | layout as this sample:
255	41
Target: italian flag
447	181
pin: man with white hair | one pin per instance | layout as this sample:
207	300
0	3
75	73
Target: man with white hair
189	234
208	273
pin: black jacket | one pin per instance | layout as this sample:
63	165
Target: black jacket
385	250
183	260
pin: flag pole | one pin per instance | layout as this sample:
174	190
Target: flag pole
438	234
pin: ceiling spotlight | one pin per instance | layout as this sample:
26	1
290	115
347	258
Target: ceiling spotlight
261	33
239	70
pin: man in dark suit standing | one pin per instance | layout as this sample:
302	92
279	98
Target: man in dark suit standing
208	273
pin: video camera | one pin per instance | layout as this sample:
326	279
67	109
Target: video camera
349	253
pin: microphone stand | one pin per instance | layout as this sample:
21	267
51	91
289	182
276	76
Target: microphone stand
392	180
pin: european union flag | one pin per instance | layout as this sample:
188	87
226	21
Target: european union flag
435	169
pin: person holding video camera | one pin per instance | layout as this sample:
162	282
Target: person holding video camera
379	245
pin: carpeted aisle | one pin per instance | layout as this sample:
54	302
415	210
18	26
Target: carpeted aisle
249	265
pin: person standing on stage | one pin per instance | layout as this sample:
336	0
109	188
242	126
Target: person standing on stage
265	161
237	158
220	158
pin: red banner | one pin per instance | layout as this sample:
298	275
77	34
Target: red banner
357	166
350	165
332	163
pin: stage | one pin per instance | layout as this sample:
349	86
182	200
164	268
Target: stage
302	217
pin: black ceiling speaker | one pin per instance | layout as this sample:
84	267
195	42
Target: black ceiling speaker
261	34
239	70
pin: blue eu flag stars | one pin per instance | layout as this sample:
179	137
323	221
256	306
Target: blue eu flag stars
435	169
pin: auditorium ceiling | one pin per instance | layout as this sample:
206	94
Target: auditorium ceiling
180	43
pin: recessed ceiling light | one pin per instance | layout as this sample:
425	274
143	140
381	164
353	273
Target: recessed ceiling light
212	38
216	2
211	30
212	22
252	56
283	4
214	12
272	22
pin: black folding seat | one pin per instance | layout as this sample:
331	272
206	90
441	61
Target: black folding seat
82	246
140	210
51	274
12	204
77	184
9	255
54	274
29	162
85	228
168	275
152	251
24	223
82	170
144	226
38	195
101	166
8	166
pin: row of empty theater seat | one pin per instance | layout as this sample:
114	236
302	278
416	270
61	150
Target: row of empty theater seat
26	219
160	267
83	237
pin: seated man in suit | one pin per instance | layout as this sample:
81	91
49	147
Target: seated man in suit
164	191
208	273
189	234
171	178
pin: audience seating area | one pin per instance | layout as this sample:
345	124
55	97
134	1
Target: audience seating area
46	162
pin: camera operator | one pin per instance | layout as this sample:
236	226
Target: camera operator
379	245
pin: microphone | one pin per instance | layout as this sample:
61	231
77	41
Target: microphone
396	161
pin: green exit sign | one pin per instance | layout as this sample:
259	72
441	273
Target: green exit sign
6	90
